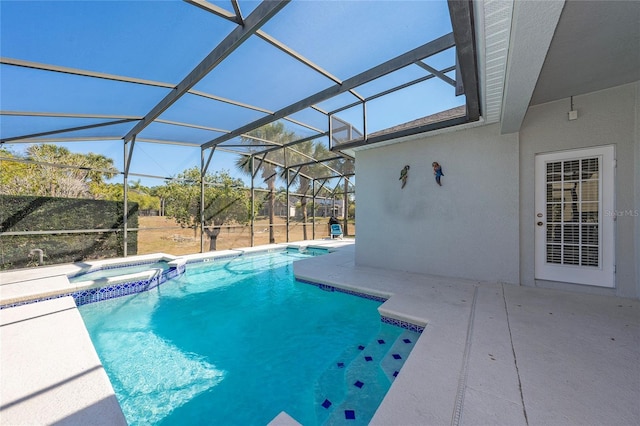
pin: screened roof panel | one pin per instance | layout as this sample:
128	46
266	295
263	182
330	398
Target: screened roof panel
151	159
211	113
261	75
194	64
443	59
336	102
299	131
420	100
350	122
13	126
108	37
173	132
25	89
312	118
115	131
246	145
389	81
346	38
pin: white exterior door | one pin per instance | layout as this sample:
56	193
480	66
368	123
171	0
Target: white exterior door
575	217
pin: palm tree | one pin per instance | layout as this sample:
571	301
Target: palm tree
85	170
277	134
302	153
345	166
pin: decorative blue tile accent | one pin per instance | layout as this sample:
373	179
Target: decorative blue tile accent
349	414
98	294
404	324
326	403
395	373
406	340
328	287
359	384
368	358
380	341
361	347
396	356
340	365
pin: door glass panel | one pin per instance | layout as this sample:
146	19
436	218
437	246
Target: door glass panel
573	202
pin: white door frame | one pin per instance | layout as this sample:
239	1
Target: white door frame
559	244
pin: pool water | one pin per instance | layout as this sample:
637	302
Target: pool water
236	342
114	272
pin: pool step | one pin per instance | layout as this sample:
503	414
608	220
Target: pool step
358	364
398	354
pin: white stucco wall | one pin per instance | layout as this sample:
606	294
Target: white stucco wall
606	117
467	228
637	185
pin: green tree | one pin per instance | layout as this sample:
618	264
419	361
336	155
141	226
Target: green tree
302	153
15	177
137	193
273	133
345	166
75	181
226	200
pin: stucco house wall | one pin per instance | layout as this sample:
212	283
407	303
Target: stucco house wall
480	224
467	228
606	117
637	185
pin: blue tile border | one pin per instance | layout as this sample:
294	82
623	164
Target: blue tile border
404	324
330	288
399	323
110	291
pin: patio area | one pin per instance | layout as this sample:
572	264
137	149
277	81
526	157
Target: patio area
498	353
490	353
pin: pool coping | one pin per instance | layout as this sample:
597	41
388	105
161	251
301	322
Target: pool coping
51	373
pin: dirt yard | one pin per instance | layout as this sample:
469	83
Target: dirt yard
165	236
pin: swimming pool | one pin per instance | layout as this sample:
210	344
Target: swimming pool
237	341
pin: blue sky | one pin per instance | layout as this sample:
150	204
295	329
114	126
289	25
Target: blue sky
163	40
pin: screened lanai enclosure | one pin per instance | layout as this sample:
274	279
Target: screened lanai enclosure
133	127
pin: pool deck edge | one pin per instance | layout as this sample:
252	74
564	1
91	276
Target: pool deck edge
41	386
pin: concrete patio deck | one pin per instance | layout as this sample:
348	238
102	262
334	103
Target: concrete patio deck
498	354
50	372
490	354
